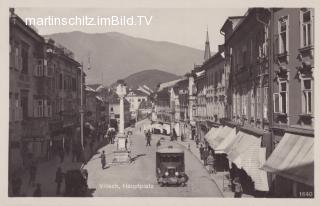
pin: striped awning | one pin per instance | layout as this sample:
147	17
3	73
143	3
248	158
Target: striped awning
293	158
221	137
246	153
212	134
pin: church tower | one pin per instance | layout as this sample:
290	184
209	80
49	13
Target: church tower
207	53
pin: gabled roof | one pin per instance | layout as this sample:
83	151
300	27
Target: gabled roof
169	84
95	87
137	93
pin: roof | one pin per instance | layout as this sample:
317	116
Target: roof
169	149
233	19
293	158
99	98
169	84
137	92
95	87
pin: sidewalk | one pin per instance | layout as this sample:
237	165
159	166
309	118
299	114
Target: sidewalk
218	178
46	171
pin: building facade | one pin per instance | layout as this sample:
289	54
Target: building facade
44	95
292	93
135	97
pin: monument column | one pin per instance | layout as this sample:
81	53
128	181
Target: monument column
122	155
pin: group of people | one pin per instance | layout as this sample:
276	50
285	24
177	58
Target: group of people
208	159
207	156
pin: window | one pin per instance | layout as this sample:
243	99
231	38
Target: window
265	102
238	104
252	103
281	99
60	81
234	105
39	68
259	103
306	28
307	96
244	104
24	55
283	34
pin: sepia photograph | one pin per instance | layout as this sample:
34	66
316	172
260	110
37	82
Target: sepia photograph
161	102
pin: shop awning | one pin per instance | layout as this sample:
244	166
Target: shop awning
246	153
212	134
221	136
293	158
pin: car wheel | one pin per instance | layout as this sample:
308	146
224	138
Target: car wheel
161	184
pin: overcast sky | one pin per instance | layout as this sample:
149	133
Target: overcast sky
186	26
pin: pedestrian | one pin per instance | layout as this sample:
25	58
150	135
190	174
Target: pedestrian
158	143
205	155
148	138
237	187
32	172
37	192
210	162
58	180
126	143
201	149
103	159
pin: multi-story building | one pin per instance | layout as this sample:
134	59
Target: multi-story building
135	97
63	91
200	111
246	46
27	136
215	87
44	95
292	105
95	107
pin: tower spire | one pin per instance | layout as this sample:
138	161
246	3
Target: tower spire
207	53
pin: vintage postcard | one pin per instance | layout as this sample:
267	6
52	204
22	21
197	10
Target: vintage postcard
189	102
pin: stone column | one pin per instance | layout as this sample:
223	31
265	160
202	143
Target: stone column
121	155
121	124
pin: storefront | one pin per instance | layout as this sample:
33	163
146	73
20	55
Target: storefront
247	157
292	166
223	138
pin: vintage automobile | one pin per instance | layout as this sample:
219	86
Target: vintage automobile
170	168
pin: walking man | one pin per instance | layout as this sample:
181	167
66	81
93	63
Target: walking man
237	188
148	138
58	180
103	160
205	155
201	149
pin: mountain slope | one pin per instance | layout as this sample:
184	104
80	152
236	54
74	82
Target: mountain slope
150	78
114	55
